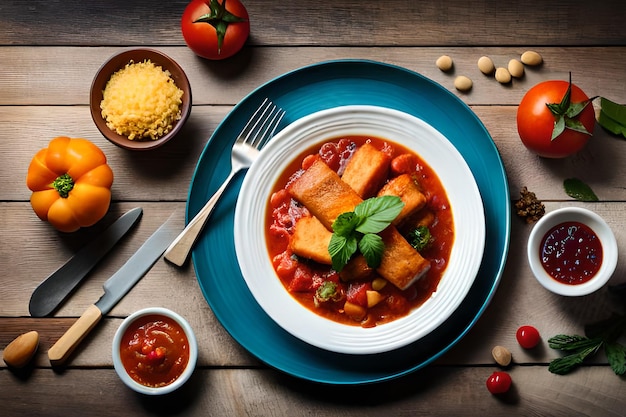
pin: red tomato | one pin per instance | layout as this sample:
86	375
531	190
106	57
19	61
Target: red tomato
535	121
499	382
214	29
528	337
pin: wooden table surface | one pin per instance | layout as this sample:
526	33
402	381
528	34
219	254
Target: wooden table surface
49	53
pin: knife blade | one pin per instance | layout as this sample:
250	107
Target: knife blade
55	289
115	288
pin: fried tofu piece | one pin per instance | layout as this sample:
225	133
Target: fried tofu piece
404	187
367	170
323	193
310	240
401	264
326	196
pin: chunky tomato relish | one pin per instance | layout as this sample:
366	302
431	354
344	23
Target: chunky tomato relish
154	350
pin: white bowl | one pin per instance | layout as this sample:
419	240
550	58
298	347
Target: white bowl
394	126
601	229
185	375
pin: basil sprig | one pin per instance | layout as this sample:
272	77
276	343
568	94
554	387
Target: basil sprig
603	334
357	230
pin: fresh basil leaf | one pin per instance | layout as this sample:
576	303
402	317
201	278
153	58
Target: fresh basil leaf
568	342
341	249
611	124
577	189
615	111
372	248
377	213
345	223
616	355
566	364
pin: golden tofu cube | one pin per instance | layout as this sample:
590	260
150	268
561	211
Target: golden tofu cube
323	193
367	170
310	240
404	187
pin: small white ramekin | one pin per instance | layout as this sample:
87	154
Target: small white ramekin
593	221
117	361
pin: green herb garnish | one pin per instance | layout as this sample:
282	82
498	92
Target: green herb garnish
599	335
328	291
612	117
358	230
420	238
577	189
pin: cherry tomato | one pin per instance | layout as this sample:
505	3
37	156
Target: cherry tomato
499	382
536	122
215	29
528	337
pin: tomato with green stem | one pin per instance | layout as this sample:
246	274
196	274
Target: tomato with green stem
215	29
555	119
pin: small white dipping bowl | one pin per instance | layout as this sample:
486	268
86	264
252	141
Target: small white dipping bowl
119	366
601	229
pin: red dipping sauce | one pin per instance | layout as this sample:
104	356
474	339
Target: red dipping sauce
154	350
571	253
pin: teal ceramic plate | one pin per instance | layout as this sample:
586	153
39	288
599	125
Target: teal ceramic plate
302	92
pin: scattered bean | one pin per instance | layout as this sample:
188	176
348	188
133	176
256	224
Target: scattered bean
444	63
501	355
462	83
531	58
503	76
516	68
378	284
485	65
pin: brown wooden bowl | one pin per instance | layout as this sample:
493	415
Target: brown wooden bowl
119	61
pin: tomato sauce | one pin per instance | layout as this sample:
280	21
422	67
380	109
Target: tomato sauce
302	277
154	350
571	253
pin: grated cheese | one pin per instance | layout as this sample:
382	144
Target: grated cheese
141	101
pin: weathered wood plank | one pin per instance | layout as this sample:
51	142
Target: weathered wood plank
164	174
435	391
519	299
42	76
325	23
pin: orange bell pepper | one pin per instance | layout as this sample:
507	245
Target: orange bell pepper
71	183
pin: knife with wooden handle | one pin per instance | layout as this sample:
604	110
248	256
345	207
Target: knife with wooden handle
115	288
55	289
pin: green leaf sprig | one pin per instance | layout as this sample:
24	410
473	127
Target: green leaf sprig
565	113
577	189
358	230
599	335
612	117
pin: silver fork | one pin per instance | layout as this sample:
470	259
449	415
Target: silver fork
255	134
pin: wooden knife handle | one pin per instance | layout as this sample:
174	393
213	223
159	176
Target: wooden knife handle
64	347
